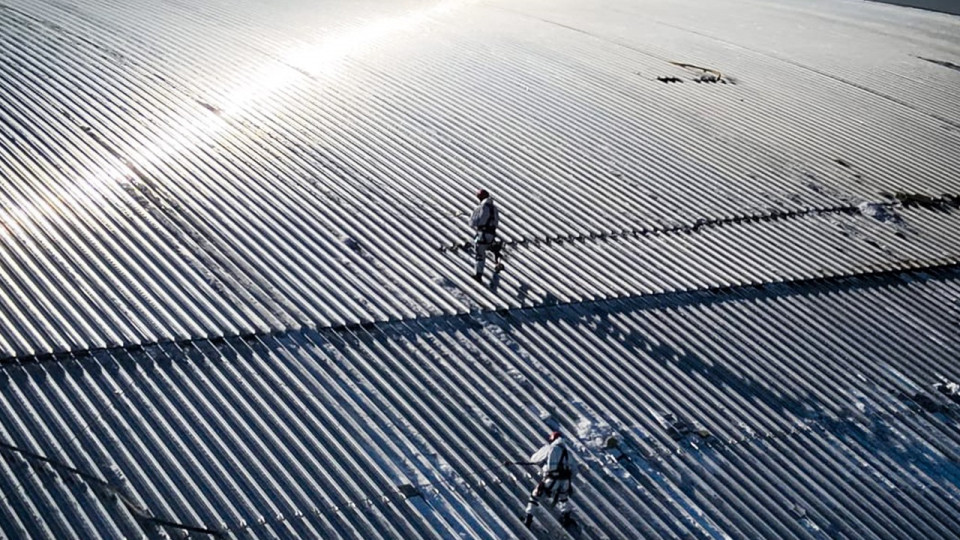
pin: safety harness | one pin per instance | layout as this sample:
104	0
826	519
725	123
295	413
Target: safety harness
562	471
486	227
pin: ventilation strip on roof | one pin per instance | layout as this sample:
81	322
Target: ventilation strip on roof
694	227
902	199
406	491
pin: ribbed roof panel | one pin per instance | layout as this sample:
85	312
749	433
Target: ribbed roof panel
235	290
180	173
783	411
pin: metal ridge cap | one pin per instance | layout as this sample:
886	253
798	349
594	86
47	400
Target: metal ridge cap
830	283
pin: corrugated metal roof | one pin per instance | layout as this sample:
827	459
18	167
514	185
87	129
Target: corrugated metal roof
235	294
786	411
169	180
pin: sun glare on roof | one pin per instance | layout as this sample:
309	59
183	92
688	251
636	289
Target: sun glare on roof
299	65
34	211
304	64
325	58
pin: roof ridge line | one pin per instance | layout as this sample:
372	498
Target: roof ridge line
948	266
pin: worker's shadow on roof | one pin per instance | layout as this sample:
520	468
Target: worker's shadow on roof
634	338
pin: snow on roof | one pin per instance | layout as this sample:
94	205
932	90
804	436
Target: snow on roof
236	292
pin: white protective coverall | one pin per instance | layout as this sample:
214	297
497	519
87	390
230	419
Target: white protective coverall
485	220
556	474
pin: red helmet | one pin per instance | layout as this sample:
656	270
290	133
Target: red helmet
482	194
554	436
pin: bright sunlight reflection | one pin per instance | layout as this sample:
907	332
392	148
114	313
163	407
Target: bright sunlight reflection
325	58
314	62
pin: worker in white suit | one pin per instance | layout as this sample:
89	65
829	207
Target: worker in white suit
556	475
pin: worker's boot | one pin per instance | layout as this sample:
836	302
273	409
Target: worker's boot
528	520
567	521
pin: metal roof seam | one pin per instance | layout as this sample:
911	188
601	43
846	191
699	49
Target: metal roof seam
696	226
941	266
